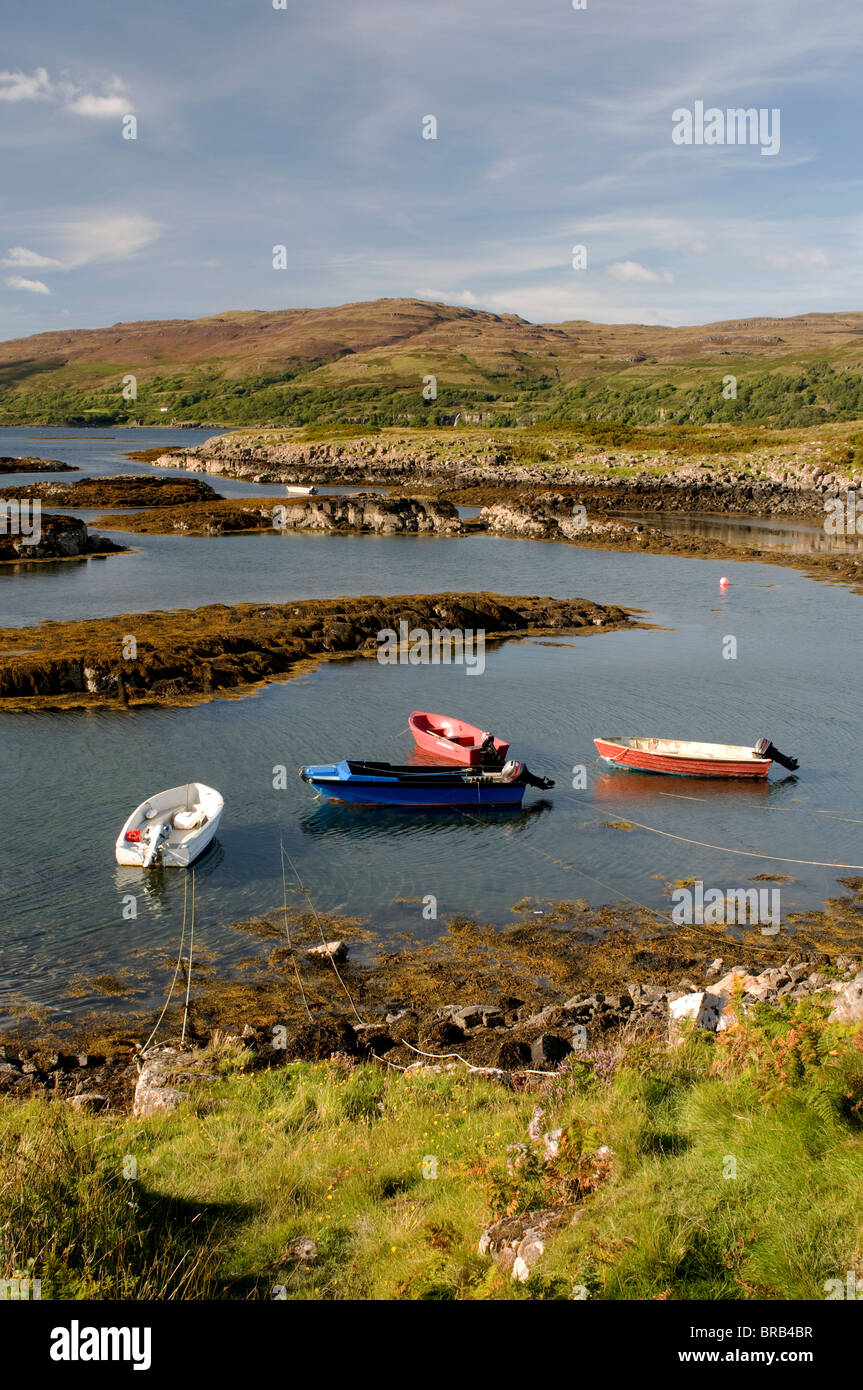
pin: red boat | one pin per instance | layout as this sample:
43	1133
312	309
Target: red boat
453	738
682	759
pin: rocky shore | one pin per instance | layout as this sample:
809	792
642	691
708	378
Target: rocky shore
25	463
120	490
184	656
369	513
512	1004
60	538
787	486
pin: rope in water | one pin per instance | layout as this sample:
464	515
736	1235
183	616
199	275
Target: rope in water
283	852
189	968
305	893
747	853
176	970
788	810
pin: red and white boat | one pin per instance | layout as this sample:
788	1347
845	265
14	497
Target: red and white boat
683	759
453	738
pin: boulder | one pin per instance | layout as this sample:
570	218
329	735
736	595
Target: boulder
90	1102
439	1034
329	950
702	1007
517	1243
478	1016
548	1048
317	1041
848	1007
301	1250
156	1089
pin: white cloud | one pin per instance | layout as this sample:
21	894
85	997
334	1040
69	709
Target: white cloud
25	86
84	243
106	239
89	105
632	272
37	85
795	260
17	282
448	296
19	255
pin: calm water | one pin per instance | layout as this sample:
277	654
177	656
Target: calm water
67	780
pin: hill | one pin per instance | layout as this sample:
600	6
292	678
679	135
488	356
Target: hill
368	363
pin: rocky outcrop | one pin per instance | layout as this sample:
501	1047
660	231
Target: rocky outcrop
385	516
120	490
27	464
55	538
363	513
849	1002
554	517
183	655
166	1078
517	1243
787	485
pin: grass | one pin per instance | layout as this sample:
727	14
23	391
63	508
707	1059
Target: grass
736	1164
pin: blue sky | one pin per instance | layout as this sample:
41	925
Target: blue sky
302	126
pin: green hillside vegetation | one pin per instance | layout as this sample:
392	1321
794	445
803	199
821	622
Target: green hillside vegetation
735	1165
367	364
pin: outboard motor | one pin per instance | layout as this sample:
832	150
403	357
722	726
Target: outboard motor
764	748
544	783
154	835
489	756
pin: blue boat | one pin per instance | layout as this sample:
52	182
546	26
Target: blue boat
385	784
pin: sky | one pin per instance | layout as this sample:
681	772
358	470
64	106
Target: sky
303	127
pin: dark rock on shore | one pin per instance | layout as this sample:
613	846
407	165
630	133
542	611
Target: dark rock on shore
369	513
784	486
58	538
552	516
25	463
120	490
188	655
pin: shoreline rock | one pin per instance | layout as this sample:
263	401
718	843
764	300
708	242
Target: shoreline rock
189	655
61	538
783	487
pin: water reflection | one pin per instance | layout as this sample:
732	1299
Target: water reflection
761	533
329	818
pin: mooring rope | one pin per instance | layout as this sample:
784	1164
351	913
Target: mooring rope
283	852
176	970
305	893
787	810
747	853
189	968
573	868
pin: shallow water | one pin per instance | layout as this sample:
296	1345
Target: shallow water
67	780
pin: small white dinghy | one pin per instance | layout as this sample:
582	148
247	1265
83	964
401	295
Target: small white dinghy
171	828
296	490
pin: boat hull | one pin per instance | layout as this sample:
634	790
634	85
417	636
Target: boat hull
620	753
411	788
179	848
453	739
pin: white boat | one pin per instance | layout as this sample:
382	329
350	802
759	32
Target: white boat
295	490
171	828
